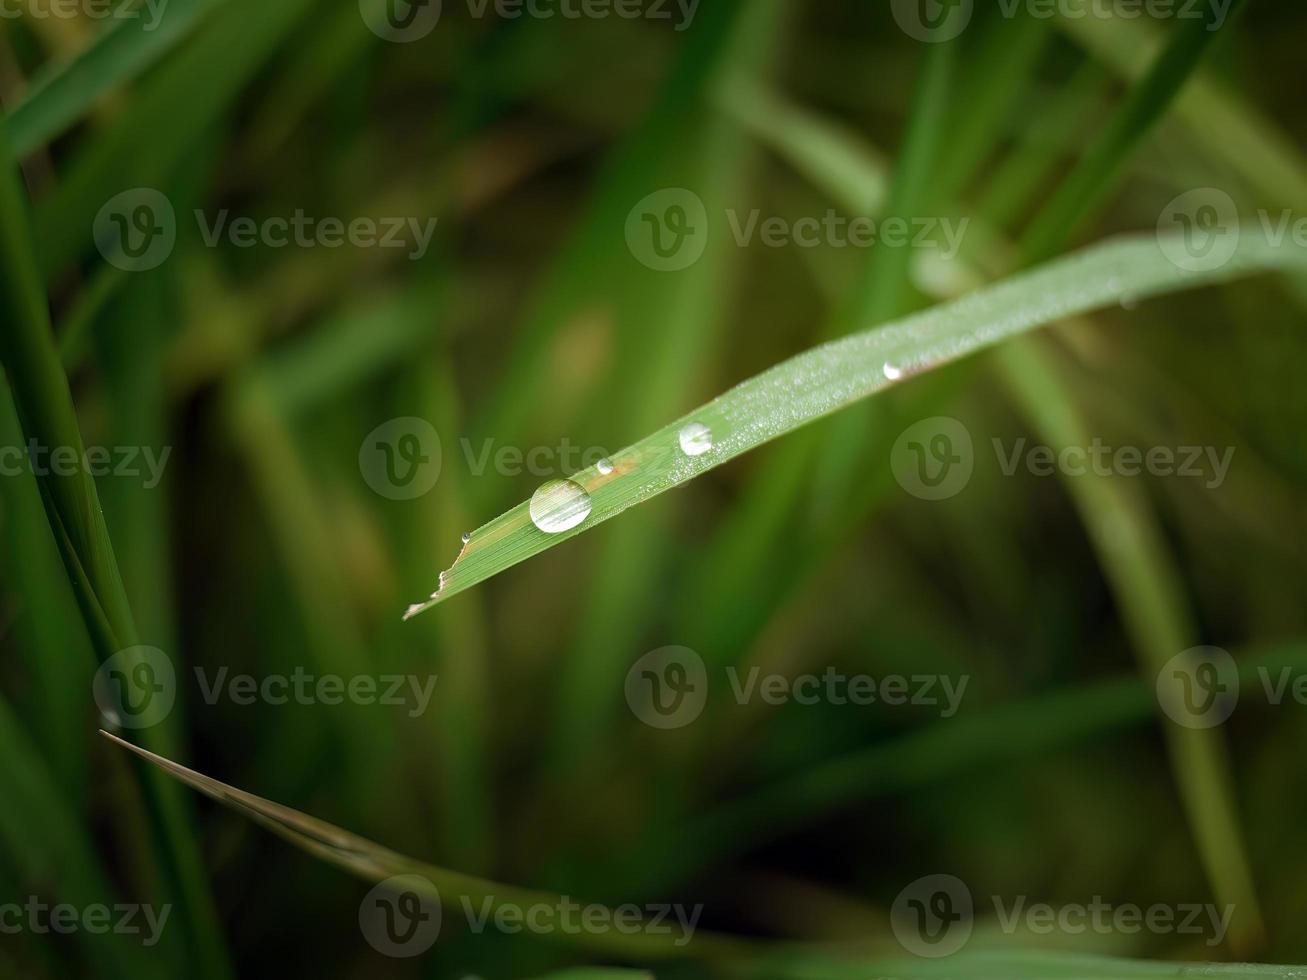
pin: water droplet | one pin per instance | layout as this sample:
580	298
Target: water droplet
1129	302
891	372
604	466
559	505
696	439
467	536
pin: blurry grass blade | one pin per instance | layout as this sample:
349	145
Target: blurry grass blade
163	122
45	409
373	862
826	378
61	93
833	155
1147	585
1232	129
1014	965
1094	175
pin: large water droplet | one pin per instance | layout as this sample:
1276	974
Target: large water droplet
604	466
696	439
559	505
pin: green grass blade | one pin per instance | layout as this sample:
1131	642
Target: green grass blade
1094	175
373	862
1000	965
1148	588
1230	128
45	409
164	122
59	95
833	375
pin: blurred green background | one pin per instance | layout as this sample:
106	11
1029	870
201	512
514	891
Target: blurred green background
275	539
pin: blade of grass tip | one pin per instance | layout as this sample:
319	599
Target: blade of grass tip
670	322
1149	591
60	94
372	862
1094	175
1230	128
833	375
462	714
884	289
45	409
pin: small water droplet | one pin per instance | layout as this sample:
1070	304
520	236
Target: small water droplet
467	536
696	439
559	505
891	371
604	466
1129	302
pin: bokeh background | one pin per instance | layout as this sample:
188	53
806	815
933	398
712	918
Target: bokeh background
275	538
